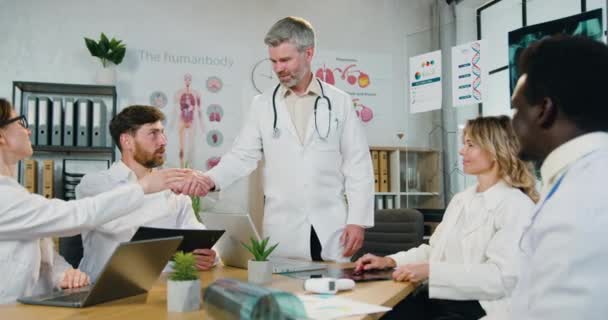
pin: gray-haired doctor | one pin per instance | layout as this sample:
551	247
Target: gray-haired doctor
318	177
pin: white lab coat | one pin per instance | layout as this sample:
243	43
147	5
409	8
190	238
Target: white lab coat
28	263
305	184
563	247
489	271
161	210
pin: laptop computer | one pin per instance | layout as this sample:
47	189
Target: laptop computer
132	270
239	228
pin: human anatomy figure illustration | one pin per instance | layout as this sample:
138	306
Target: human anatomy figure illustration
189	119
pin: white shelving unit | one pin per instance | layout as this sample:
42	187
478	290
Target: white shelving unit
415	179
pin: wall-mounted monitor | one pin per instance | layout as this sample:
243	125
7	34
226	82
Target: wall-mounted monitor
585	24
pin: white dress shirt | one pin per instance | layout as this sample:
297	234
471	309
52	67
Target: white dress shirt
301	107
160	210
28	263
563	247
486	269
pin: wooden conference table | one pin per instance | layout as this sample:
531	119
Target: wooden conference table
154	305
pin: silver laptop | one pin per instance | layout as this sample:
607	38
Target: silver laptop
132	270
239	227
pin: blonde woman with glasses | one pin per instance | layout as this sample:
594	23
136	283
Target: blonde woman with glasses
468	267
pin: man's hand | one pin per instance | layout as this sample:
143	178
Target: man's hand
205	258
352	239
415	272
74	278
370	261
163	179
197	184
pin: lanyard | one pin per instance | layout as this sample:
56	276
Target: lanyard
549	195
540	208
553	189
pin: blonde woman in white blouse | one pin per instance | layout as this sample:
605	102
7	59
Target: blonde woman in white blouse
469	262
28	262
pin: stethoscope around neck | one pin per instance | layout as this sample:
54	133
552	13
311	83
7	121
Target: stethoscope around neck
276	132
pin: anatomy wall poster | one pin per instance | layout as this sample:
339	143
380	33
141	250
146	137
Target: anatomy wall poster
200	95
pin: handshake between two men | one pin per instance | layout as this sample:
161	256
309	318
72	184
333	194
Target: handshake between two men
182	181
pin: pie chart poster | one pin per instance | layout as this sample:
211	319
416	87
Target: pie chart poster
198	91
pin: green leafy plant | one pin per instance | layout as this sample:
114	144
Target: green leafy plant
107	50
258	249
196	207
184	267
197	204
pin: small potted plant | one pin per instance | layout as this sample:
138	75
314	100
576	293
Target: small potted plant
110	52
183	286
259	269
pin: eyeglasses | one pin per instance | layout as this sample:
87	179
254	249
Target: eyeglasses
22	121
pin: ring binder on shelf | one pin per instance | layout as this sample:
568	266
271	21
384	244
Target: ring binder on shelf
43	121
383	168
30	175
68	123
57	123
83	138
48	167
98	135
32	117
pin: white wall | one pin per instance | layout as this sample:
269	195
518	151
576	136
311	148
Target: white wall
43	41
459	25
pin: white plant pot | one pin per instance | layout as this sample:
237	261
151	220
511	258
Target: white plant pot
183	296
259	272
107	75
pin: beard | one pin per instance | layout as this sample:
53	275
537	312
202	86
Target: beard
148	159
290	83
293	80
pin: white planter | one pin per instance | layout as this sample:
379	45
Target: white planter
107	75
259	272
183	296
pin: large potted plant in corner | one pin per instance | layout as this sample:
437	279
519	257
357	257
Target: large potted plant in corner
110	52
183	286
259	269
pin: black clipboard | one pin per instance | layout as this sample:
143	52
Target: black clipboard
193	238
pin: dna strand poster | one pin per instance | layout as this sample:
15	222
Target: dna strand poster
468	73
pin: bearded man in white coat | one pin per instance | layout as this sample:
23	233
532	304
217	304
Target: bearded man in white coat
138	132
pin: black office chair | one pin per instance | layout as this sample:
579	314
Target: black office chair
394	230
